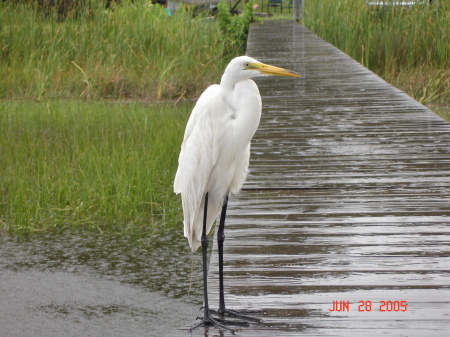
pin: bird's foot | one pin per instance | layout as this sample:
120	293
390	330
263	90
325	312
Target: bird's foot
208	320
237	314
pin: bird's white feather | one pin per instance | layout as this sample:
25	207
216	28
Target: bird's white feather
197	158
215	151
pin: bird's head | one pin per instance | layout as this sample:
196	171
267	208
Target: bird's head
244	67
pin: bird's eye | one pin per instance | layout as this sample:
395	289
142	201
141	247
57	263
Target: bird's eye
247	65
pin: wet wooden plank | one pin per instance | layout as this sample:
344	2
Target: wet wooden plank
348	200
341	125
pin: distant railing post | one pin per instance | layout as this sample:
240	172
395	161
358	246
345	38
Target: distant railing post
298	9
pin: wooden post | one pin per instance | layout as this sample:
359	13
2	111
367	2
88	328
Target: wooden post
298	9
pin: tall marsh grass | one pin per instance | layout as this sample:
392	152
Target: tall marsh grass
408	47
96	165
131	51
66	163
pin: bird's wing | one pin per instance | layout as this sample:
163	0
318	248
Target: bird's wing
197	157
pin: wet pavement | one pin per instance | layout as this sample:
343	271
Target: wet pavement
86	284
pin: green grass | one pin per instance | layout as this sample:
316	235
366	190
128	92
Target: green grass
101	166
133	51
409	48
67	162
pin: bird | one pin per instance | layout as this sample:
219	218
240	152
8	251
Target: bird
214	160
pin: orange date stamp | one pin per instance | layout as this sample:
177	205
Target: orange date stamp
367	306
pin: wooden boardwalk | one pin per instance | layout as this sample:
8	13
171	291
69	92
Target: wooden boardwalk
348	200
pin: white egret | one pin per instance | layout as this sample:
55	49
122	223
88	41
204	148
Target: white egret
215	155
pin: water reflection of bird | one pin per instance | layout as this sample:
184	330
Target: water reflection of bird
215	155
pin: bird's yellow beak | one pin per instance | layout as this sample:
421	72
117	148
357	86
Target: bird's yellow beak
267	69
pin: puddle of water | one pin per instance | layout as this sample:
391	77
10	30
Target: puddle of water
76	284
161	263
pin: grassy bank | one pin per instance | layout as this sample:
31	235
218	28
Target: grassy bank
132	51
410	48
96	165
103	166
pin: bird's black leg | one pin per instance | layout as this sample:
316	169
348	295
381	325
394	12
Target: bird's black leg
207	318
220	239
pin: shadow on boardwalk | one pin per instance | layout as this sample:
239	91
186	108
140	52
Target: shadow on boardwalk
348	200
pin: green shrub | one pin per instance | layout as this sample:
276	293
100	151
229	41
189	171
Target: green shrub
235	27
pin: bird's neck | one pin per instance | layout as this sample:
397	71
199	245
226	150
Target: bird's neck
244	100
226	83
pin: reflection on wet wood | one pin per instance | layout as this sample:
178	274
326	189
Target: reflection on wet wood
348	200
